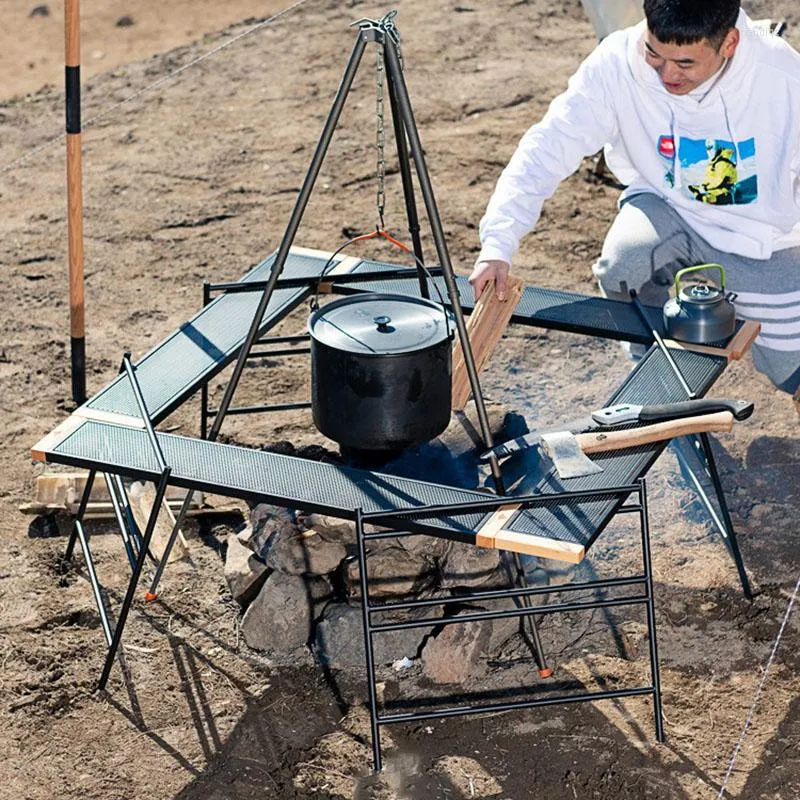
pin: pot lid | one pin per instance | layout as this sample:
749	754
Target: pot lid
379	324
701	294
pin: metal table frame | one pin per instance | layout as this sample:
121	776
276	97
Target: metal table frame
137	544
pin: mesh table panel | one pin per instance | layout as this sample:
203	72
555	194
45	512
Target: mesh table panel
338	490
255	474
652	382
539	307
175	368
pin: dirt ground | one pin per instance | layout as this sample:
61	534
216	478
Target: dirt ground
195	179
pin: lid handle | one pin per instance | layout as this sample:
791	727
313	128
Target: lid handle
382	322
681	272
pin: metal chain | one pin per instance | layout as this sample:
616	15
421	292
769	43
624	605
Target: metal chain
383	28
380	136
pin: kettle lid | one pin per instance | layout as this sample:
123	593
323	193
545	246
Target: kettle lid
701	294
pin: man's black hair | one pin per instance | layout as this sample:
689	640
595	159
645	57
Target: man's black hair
688	21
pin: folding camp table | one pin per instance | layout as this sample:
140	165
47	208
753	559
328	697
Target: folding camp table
113	434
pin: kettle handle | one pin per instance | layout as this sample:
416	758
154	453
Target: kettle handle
681	272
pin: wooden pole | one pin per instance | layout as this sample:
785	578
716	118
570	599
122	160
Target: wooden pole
72	75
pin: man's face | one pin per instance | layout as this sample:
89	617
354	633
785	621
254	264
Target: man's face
684	67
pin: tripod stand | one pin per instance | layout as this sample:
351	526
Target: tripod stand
385	36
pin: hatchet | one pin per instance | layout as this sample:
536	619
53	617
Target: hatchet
567	445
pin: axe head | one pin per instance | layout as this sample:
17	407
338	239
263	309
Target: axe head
570	461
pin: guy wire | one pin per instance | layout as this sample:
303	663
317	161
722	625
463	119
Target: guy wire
757	694
155	84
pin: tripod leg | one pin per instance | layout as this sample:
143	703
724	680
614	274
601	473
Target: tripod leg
291	229
408	185
368	652
397	87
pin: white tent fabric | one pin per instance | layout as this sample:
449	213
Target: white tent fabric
608	16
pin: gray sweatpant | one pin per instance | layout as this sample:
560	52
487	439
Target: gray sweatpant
649	242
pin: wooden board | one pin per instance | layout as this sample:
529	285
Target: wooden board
62	491
141	497
733	351
485	327
493	534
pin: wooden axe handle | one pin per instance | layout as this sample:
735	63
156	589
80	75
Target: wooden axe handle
599	442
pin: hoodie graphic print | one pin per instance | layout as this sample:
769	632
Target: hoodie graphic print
715	171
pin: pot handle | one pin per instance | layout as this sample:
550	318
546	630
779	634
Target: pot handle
681	272
314	304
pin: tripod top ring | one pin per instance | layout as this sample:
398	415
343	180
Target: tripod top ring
382	27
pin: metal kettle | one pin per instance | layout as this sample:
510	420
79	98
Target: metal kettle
700	312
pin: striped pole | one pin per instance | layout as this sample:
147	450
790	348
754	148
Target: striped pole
72	70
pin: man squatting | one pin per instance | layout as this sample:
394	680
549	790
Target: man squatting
698	112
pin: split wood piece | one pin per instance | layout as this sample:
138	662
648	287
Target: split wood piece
142	497
485	327
733	351
62	491
494	534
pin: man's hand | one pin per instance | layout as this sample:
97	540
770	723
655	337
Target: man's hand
487	271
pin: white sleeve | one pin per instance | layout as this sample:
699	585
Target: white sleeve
578	123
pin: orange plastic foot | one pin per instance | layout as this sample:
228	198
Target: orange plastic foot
149	597
545	673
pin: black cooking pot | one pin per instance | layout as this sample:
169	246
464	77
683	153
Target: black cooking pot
380	371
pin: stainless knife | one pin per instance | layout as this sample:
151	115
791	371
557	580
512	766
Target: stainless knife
625	413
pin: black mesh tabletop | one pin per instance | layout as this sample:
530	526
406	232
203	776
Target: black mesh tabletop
201	347
538	307
259	475
651	382
337	490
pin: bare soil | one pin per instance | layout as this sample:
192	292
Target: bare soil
195	179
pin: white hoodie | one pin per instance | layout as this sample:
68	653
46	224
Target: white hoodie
749	116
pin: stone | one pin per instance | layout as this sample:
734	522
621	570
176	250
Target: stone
431	548
340	639
463	435
329	528
465	565
304	553
503	628
265	522
279	619
245	573
452	655
392	571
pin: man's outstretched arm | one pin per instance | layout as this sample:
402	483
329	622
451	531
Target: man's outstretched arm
578	123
